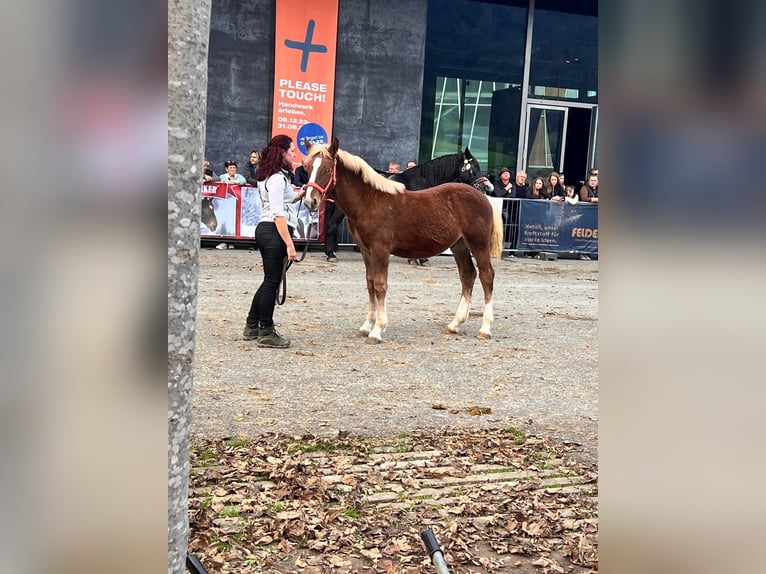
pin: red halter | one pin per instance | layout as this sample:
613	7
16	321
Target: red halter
333	180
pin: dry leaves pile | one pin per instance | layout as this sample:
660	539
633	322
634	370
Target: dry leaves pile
497	500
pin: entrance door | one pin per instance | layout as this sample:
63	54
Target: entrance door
560	138
544	139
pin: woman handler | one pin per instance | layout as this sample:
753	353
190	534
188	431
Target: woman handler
274	236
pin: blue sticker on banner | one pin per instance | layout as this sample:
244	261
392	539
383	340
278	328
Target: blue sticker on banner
314	133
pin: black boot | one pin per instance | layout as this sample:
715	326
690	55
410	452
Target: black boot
272	339
251	333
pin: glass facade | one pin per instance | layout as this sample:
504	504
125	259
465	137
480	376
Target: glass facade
462	114
512	102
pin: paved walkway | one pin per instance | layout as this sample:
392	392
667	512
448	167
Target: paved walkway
538	373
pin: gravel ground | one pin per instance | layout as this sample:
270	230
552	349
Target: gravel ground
537	373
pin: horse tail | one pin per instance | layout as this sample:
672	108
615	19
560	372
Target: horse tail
496	243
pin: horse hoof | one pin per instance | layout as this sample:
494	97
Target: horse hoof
449	331
483	336
373	340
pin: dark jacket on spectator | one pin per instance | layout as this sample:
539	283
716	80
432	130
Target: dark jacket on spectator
587	192
520	191
500	191
249	173
558	191
301	177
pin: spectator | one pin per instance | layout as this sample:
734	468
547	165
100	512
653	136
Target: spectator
333	217
208	174
561	180
252	167
302	175
553	187
504	187
589	190
231	175
570	196
537	191
520	185
519	190
274	236
394	167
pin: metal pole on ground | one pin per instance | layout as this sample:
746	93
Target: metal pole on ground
434	551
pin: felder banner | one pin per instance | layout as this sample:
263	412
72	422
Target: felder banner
546	225
304	70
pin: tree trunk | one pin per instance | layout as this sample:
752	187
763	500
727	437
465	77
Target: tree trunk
188	34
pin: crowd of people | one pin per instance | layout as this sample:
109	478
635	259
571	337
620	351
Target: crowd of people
552	187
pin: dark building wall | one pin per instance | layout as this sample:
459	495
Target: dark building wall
240	79
378	79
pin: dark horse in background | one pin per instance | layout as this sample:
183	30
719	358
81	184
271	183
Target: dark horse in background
385	218
461	166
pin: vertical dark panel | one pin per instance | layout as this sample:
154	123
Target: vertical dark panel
378	93
576	155
240	77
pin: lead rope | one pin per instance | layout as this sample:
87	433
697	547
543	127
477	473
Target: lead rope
287	263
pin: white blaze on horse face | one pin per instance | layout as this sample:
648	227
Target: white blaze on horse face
314	197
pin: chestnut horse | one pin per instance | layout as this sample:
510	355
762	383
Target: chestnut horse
385	218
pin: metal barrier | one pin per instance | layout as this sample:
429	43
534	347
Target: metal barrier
510	209
537	213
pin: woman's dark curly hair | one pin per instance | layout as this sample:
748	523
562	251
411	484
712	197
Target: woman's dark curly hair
272	160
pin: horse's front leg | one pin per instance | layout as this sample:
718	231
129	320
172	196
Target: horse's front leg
369	320
380	285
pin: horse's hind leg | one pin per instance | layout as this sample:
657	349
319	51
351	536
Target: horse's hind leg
467	273
487	278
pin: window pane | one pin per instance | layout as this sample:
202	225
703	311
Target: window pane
564	56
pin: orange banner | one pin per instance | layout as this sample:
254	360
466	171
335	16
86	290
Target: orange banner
304	70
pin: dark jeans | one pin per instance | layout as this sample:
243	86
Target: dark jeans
333	217
273	252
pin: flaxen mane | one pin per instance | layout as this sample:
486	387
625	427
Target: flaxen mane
358	165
